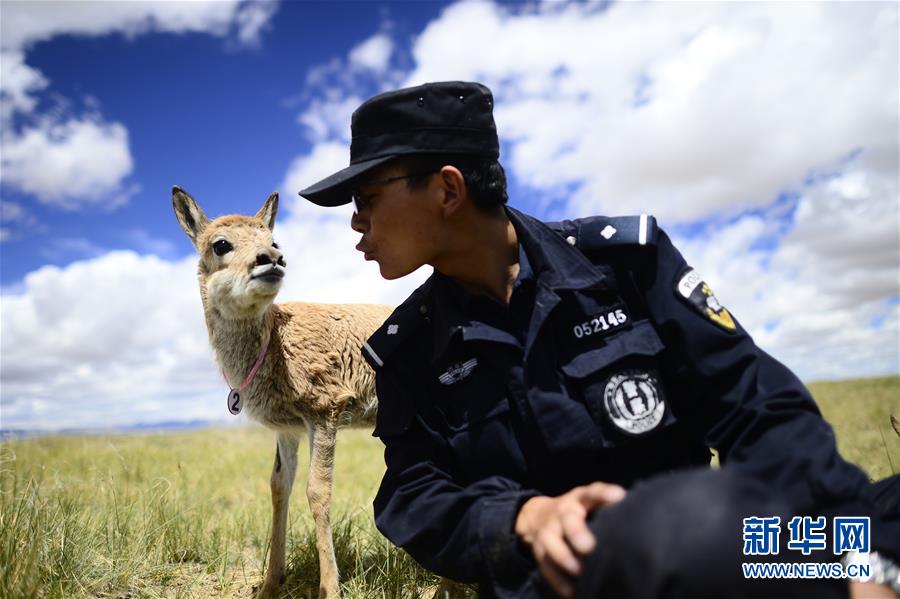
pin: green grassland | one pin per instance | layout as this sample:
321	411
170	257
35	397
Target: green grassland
187	514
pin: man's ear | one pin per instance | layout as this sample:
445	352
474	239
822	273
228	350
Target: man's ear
269	210
189	214
455	191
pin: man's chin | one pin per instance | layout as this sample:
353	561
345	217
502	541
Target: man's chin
390	273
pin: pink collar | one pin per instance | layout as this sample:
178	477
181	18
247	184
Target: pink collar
235	401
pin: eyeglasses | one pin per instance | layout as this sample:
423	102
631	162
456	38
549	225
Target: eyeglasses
357	198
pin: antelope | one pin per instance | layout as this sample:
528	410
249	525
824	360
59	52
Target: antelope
292	366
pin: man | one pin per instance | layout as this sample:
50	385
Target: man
534	389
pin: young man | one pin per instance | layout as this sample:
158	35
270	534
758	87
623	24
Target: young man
537	390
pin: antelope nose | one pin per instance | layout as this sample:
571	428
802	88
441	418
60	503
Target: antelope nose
277	258
263	259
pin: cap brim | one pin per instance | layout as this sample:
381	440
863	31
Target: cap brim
335	189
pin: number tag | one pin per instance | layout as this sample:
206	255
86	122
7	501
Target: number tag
601	323
235	402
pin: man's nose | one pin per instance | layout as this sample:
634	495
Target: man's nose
358	223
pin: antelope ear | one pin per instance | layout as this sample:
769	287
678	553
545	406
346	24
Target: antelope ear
190	216
269	210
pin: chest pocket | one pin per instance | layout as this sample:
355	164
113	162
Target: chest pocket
619	382
467	393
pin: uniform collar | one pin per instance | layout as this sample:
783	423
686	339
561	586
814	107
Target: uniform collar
557	264
545	259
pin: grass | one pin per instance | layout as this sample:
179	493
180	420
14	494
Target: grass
187	514
859	411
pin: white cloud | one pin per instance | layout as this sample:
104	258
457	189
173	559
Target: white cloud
18	84
69	164
328	120
824	300
705	113
325	267
93	344
679	110
13	213
324	159
373	54
27	22
252	18
694	112
120	338
77	161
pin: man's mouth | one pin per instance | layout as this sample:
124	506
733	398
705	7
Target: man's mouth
368	254
269	274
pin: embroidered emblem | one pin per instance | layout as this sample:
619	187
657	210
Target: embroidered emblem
458	372
633	402
392	329
608	231
697	293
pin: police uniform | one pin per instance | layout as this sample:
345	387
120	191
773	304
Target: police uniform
613	362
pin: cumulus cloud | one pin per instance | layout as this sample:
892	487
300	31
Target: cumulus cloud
145	356
70	164
71	161
769	128
373	54
18	84
28	22
651	107
763	135
66	361
324	159
824	297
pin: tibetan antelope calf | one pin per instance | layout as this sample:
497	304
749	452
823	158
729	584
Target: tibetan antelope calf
291	366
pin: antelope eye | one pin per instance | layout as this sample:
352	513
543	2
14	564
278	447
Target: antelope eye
275	245
222	247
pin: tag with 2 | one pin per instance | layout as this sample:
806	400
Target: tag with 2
235	402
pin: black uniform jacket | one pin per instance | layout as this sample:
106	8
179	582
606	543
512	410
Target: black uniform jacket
613	362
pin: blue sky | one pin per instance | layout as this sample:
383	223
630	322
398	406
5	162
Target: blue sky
200	110
762	135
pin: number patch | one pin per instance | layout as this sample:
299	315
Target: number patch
601	323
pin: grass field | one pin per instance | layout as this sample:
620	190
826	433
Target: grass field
187	514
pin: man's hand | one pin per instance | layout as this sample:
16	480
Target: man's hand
556	530
870	590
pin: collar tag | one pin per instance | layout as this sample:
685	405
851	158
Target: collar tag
235	402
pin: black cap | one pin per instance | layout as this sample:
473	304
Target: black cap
450	117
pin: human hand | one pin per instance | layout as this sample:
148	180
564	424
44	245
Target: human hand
555	528
870	590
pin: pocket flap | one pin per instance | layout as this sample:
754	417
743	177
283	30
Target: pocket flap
641	339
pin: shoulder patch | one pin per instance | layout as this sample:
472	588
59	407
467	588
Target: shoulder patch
409	317
691	289
609	231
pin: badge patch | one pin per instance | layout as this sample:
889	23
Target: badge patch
458	372
606	321
633	402
697	293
